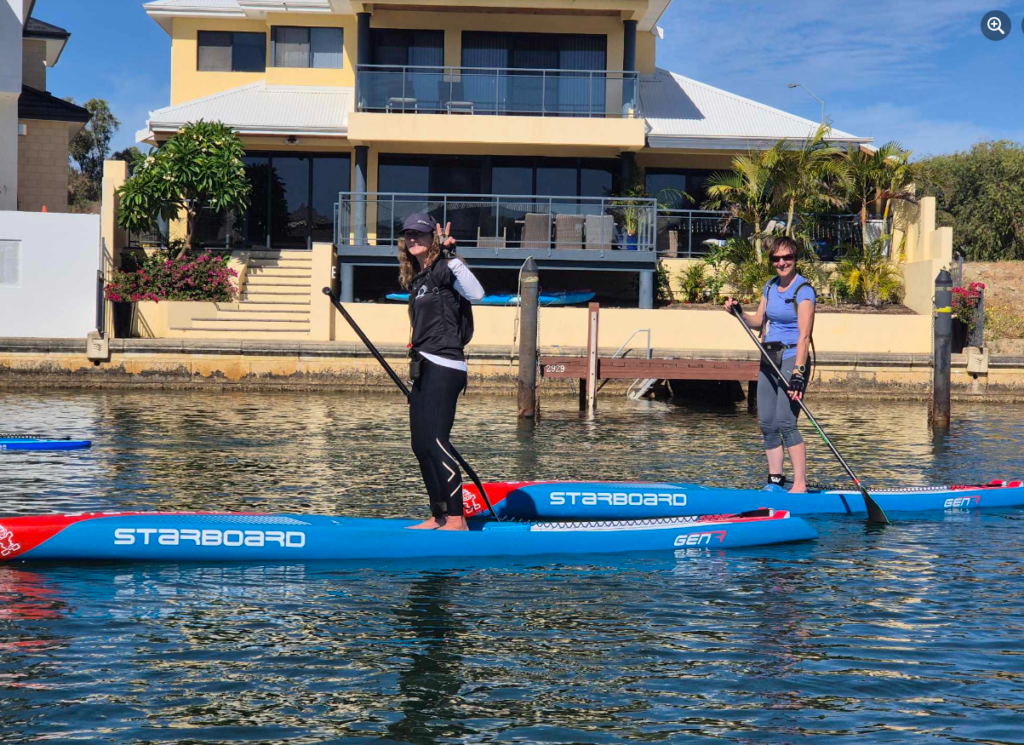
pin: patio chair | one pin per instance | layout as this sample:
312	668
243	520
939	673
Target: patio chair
537	230
451	93
491	241
398	101
600	231
568	231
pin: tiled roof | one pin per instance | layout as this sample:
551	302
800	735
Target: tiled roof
682	112
37	104
34	28
263	109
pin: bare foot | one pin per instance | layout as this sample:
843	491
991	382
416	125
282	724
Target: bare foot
455	523
798	488
432	523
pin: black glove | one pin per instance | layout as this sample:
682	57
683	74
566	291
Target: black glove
797	383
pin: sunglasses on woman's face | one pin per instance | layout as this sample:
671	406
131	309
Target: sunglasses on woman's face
782	257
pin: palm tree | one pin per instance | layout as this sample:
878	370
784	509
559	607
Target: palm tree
811	175
747	192
884	174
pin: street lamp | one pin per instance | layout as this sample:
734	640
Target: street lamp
798	85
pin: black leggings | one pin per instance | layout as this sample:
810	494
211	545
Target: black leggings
432	403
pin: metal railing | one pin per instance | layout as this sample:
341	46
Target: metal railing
497	91
688	234
500	221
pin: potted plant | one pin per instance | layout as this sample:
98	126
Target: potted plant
965	313
633	210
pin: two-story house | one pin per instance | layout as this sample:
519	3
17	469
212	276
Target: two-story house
522	122
36	127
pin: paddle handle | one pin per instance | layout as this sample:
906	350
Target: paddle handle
875	513
401	385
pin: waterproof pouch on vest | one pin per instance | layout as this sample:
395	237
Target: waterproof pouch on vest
415	367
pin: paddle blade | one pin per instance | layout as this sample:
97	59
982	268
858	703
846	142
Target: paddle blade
875	514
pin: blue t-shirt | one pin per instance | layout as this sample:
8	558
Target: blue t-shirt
782	323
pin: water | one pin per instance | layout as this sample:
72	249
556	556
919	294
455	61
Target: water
914	633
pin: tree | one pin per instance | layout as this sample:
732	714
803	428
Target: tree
980	192
91	146
878	174
199	167
747	191
811	176
129	155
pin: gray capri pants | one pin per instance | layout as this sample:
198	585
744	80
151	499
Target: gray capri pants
775	409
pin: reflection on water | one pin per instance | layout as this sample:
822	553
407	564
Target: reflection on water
911	633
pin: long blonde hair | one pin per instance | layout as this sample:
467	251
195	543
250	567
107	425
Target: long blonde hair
408	267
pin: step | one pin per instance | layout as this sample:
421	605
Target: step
266	305
278	282
262	315
297	254
278	295
246	334
278	269
261	263
279	273
223	321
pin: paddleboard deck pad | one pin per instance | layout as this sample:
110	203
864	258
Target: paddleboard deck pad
40	442
192	536
547	500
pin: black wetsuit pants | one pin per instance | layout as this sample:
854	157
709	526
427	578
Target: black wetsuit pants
432	403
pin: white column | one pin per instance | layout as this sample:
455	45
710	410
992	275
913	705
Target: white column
12	18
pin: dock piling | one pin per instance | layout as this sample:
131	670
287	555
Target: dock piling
592	323
943	345
528	311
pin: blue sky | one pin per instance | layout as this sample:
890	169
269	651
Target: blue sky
916	71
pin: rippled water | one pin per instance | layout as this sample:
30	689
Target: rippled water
914	633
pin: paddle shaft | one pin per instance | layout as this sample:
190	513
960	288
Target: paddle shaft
401	385
875	513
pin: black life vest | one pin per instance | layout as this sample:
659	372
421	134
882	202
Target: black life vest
442	320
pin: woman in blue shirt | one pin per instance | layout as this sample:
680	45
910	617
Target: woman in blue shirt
788	305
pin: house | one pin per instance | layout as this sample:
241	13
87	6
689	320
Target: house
36	127
519	121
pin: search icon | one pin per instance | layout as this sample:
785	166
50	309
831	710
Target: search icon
996	25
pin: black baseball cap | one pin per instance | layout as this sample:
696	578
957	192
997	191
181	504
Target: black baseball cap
421	222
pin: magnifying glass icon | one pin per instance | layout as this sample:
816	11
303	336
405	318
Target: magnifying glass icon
995	24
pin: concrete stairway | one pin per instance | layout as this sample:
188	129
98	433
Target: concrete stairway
274	302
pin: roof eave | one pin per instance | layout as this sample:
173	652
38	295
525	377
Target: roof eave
683	142
165	16
156	128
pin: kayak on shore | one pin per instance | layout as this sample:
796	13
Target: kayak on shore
41	442
194	536
547	500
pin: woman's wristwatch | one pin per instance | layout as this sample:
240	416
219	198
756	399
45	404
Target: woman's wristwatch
802	369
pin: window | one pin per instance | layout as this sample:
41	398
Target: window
307	47
232	51
293	198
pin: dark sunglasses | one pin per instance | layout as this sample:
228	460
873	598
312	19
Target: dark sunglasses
782	257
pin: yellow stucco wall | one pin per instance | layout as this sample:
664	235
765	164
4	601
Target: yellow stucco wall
188	83
670	329
623	134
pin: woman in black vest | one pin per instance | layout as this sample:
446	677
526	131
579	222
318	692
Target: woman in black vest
441	326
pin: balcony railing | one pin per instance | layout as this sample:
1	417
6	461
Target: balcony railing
497	91
543	225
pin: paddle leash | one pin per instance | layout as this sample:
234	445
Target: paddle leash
401	385
875	514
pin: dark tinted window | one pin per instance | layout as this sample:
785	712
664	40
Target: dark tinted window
232	51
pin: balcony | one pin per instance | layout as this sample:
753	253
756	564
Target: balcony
501	231
503	106
497	91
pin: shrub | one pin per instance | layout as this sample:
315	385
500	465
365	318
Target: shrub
865	275
197	277
692	282
965	304
1002	321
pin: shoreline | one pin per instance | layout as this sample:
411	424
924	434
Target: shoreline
175	364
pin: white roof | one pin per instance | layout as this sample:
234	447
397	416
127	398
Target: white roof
682	112
259	108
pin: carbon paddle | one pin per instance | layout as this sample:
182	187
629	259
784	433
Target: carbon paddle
875	514
401	385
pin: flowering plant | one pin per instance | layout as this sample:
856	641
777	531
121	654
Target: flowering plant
965	303
197	277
